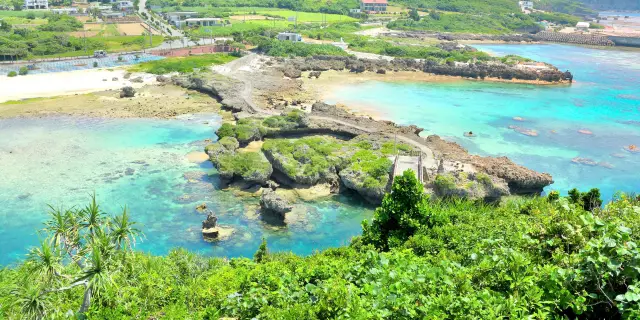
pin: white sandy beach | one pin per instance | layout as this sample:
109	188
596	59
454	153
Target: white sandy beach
65	83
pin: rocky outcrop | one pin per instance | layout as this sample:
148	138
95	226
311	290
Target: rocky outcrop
226	90
474	70
271	202
251	167
519	179
290	168
470	186
211	231
127	92
356	180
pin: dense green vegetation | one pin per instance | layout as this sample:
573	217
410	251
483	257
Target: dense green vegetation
252	129
541	258
328	6
556	17
470	23
50	39
466	6
572	7
363	44
298	49
182	64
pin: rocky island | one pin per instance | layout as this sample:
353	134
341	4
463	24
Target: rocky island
300	142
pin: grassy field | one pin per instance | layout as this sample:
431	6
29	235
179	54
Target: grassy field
22	14
113	44
182	64
239	26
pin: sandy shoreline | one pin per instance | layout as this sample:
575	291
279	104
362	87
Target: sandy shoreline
66	83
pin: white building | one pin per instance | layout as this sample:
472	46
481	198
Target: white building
526	5
36	4
203	22
65	11
125	6
177	18
583	26
289	36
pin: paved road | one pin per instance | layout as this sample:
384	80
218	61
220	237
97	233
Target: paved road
182	42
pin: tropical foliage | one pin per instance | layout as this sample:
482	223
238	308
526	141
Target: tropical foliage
540	258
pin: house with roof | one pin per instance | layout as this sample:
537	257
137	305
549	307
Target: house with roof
203	22
373	6
177	18
289	36
36	4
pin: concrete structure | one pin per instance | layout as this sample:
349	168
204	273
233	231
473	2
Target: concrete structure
526	5
203	22
36	4
355	10
373	6
65	11
177	18
289	36
583	26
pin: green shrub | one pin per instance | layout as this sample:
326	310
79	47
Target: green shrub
95	64
23	71
445	182
225	130
12	74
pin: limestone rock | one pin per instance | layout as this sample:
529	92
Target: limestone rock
137	80
272	202
470	186
127	92
210	221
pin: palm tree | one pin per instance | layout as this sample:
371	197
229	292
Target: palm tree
123	231
92	217
91	241
45	262
33	303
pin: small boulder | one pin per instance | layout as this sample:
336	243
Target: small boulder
273	203
210	222
315	74
127	75
114	79
292	72
201	207
137	80
127	92
381	71
162	79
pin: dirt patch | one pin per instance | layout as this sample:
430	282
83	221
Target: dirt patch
83	18
248	17
132	29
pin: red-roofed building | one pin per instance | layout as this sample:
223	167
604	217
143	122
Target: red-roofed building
373	5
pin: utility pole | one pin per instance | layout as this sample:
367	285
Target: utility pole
150	35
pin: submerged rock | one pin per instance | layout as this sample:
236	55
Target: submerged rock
272	202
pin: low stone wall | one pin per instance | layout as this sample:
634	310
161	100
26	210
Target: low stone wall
586	39
625	41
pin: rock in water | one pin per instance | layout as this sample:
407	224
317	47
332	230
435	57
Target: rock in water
272	202
127	92
210	221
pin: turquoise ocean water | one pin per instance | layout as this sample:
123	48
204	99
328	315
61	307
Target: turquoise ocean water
605	100
141	163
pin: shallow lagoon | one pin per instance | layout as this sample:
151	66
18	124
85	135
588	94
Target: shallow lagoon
605	99
141	163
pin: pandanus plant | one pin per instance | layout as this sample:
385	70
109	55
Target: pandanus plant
81	247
